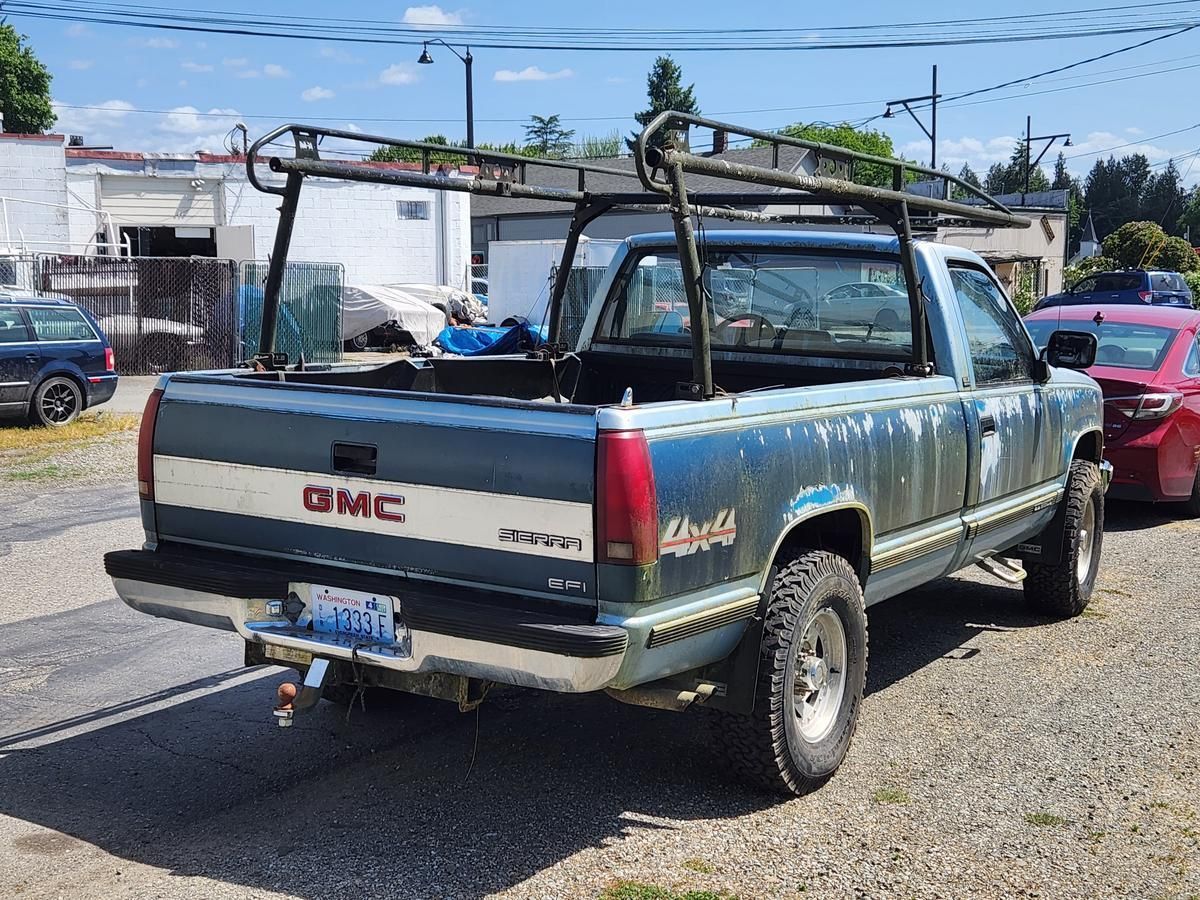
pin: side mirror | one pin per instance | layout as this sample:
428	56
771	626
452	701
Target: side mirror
1071	349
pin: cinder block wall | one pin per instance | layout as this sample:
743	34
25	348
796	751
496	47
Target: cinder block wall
33	167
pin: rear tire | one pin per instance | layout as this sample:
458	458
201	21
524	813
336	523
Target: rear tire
56	402
1065	588
811	675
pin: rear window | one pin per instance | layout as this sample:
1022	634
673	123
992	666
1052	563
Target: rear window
1119	281
798	301
1123	346
60	324
1168	281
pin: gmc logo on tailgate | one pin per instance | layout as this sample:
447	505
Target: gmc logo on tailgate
362	504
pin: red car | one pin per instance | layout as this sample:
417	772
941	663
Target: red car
1148	365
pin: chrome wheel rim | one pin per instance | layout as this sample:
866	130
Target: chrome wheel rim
820	681
59	403
1087	541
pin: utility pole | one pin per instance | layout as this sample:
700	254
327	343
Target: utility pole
930	132
1048	138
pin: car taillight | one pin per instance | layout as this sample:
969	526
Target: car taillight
1145	296
1147	406
626	500
110	360
145	453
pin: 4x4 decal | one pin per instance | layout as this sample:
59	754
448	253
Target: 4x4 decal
682	538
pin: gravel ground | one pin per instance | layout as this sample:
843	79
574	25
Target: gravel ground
999	755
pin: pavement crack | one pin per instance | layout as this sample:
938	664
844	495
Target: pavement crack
196	756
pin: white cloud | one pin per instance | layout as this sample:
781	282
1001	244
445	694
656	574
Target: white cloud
80	65
337	54
188	120
274	70
190	66
95	123
77	30
1134	130
531	73
350	126
156	43
248	73
398	73
431	15
316	93
235	62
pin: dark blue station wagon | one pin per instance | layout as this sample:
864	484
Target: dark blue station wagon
55	361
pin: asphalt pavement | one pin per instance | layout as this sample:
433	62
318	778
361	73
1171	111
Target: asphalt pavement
999	754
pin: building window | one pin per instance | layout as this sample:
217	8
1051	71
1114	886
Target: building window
412	209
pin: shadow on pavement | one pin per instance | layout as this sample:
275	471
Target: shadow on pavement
392	804
1129	515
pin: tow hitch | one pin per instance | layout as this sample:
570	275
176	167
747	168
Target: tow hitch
290	701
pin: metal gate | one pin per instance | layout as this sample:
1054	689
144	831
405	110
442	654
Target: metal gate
310	310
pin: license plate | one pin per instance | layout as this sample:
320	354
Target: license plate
353	614
287	654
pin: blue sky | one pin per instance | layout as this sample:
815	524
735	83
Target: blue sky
266	80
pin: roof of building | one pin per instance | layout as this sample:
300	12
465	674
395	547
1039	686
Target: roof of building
790	159
1089	232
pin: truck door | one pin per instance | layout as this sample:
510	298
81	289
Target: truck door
1013	474
19	359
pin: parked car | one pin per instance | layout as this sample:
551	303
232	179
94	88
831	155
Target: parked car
867	303
1135	286
55	360
568	524
1148	365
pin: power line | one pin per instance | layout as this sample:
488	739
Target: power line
1024	29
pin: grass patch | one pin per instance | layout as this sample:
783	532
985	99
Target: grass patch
46	472
1045	819
637	890
890	795
20	439
1124	594
699	865
1091	612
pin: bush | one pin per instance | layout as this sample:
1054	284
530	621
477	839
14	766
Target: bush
1193	280
1086	267
1144	245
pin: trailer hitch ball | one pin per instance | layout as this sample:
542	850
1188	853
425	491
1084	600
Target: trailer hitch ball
284	712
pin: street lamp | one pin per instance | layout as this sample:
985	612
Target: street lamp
425	59
930	132
1048	138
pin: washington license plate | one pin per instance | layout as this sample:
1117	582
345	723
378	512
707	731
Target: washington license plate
353	614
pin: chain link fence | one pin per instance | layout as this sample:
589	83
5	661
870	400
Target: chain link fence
166	314
582	284
310	310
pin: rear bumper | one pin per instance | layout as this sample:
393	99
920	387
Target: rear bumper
508	642
100	389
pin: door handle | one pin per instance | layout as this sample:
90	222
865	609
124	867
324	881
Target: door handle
31	357
355	459
987	425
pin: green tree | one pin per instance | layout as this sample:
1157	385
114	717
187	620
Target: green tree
1189	218
1063	180
602	146
1164	198
1137	245
407	154
967	174
545	136
1073	274
665	90
24	86
862	140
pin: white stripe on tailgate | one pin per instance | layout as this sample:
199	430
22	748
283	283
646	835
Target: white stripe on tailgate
531	525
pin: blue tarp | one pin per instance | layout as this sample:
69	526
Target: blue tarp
489	341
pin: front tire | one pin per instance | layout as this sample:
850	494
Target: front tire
56	402
811	675
1064	589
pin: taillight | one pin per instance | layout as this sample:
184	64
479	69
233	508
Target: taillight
145	454
626	501
110	360
1147	406
1145	296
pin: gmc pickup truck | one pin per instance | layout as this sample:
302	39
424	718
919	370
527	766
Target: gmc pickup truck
690	508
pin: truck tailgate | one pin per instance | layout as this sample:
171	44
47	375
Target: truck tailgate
478	490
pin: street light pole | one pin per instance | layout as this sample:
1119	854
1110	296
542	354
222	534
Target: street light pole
1029	139
426	59
930	132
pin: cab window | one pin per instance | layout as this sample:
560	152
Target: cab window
1000	348
59	324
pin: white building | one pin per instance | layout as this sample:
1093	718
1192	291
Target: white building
66	200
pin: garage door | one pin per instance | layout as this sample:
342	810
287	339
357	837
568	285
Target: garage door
159	201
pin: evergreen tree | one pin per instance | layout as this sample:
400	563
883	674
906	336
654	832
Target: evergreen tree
545	136
967	174
665	90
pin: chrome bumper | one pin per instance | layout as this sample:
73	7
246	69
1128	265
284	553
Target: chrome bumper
1106	473
431	651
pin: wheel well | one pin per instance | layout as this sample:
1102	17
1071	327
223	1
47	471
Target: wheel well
1090	446
840	531
70	376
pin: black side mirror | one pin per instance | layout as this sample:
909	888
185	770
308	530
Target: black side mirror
1071	349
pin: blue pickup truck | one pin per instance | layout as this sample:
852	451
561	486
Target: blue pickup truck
684	510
